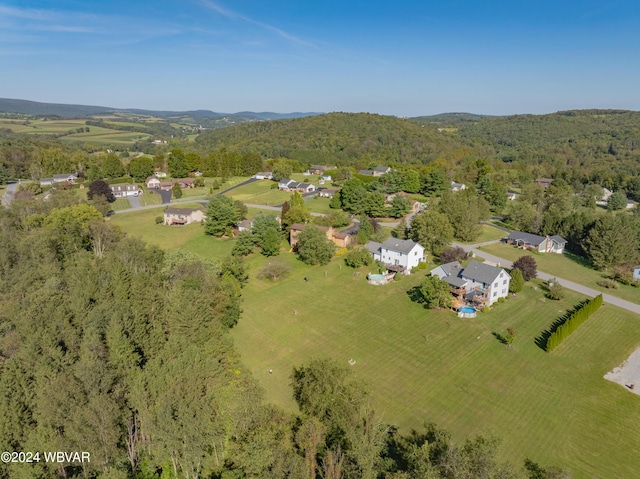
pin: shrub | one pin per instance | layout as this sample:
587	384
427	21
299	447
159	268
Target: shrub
486	309
501	300
422	265
556	291
358	257
527	265
517	281
608	283
452	254
274	270
159	220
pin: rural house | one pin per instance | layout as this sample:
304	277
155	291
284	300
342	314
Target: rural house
320	169
544	182
182	216
479	283
61	178
340	239
286	184
263	175
152	182
399	255
636	273
542	244
458	186
126	189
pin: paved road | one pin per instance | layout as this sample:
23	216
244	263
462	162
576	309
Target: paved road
628	305
9	193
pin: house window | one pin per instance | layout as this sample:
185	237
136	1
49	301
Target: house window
415	254
504	291
495	285
397	262
495	293
504	282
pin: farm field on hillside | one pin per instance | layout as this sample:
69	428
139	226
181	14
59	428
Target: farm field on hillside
567	266
430	366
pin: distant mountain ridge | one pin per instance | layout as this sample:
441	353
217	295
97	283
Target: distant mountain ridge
28	107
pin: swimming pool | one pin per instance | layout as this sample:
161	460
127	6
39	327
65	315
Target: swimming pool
467	309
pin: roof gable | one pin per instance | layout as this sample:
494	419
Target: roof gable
399	245
481	272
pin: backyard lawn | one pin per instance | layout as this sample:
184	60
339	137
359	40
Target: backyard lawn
567	266
430	366
488	233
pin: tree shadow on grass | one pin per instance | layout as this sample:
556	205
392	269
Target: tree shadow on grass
500	338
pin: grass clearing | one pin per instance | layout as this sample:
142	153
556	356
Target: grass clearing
149	198
142	224
259	192
319	205
489	233
568	266
432	366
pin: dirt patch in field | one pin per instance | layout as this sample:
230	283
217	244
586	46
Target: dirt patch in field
627	374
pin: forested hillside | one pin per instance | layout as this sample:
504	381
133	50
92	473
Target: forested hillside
342	138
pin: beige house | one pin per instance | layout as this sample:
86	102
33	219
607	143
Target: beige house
341	240
182	216
152	182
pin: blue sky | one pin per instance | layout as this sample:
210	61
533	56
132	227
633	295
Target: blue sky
404	58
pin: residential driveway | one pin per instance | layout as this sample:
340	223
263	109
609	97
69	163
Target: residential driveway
628	305
166	196
9	193
134	201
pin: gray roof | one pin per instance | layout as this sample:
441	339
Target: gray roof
455	281
481	272
373	247
452	268
366	172
180	211
401	246
532	239
558	239
382	169
63	175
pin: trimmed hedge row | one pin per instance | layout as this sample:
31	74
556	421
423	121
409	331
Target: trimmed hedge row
566	325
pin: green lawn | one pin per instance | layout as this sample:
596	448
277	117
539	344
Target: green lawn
489	233
120	204
319	205
431	366
191	238
150	197
567	266
259	192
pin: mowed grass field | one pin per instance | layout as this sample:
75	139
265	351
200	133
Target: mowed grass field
567	266
430	366
259	193
141	224
488	233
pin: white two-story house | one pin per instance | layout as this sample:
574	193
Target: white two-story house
479	283
399	255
